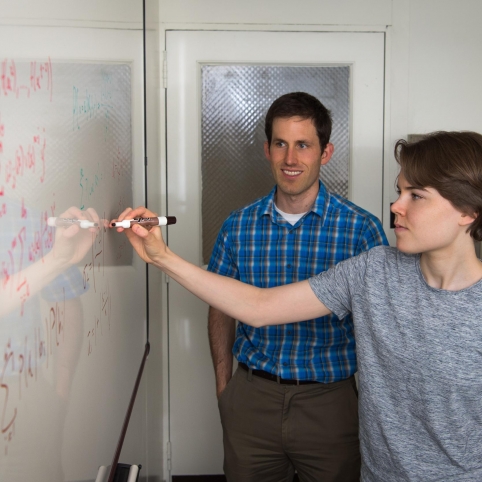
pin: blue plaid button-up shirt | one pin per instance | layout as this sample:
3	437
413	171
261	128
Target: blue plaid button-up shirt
258	246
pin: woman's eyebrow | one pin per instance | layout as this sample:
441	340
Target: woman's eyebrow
411	188
420	188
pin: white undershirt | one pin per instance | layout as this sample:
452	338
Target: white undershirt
291	218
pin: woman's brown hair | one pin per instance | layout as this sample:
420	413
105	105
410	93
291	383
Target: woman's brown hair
451	163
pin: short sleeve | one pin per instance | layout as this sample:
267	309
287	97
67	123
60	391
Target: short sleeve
337	287
373	235
222	261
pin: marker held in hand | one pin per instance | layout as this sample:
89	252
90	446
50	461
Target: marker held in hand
157	221
66	222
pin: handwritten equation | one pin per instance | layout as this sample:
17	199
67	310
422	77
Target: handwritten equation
61	151
29	157
14	84
35	344
22	363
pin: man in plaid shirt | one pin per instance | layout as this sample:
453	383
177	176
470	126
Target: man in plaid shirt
292	402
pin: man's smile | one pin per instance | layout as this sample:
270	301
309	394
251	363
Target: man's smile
291	173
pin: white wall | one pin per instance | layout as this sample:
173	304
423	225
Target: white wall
251	12
103	13
445	65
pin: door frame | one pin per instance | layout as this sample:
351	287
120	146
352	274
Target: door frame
388	164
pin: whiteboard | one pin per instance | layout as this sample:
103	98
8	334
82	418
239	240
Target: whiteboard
72	299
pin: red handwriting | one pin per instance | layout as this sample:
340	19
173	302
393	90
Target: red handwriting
43	240
2	135
11	268
19	252
26	159
12	83
41	76
23	210
22	363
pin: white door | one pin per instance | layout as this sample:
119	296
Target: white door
195	429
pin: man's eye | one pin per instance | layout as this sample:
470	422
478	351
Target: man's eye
416	196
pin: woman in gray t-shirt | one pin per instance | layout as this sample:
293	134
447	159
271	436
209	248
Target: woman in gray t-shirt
417	312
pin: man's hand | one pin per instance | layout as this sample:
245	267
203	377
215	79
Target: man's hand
221	329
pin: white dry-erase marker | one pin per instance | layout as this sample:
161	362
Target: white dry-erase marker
133	472
66	222
103	473
160	221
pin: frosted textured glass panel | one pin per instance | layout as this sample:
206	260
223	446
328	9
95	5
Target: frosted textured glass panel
235	99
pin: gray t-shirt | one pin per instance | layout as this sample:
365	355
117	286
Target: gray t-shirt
419	353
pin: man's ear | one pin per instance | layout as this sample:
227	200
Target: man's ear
327	153
266	150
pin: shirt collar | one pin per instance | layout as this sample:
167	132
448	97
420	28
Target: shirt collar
319	206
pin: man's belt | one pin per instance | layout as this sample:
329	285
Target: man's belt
275	378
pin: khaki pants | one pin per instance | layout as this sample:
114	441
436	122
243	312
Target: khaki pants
270	430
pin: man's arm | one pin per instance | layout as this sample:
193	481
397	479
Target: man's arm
221	328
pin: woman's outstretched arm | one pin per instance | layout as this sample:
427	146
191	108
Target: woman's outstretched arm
251	305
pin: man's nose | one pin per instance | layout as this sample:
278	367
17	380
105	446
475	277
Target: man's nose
290	156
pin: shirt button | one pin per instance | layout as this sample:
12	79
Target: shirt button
285	364
290	332
288	266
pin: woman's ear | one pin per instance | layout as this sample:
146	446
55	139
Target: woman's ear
467	219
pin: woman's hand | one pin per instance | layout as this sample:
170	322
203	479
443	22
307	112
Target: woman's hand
72	243
147	242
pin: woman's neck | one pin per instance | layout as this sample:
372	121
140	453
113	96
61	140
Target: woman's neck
451	270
